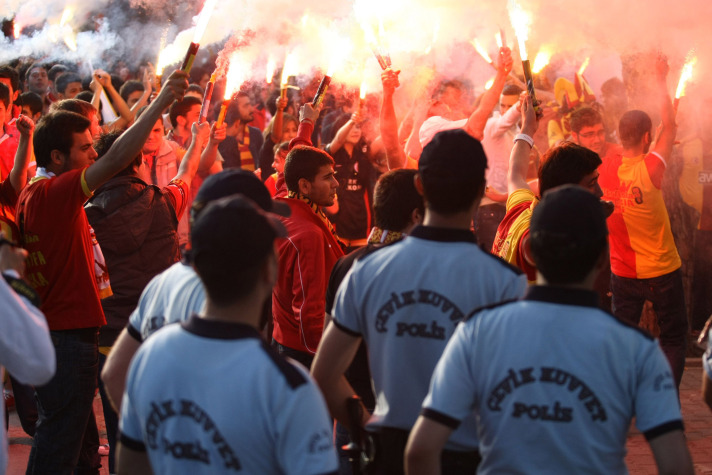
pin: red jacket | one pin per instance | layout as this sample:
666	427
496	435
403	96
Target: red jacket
306	258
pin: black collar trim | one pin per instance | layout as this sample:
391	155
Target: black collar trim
219	330
432	233
562	295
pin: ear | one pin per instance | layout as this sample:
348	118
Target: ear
305	186
416	216
15	96
57	158
180	120
418	182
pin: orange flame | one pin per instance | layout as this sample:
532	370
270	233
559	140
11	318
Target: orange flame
16	29
584	66
498	39
520	22
271	66
234	77
686	74
289	68
489	84
203	19
481	49
541	60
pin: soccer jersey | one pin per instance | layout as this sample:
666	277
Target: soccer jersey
61	260
172	296
8	203
640	236
513	228
405	301
210	397
581	375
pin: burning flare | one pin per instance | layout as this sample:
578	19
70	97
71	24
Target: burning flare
481	50
489	84
16	29
686	74
233	80
541	60
520	22
584	66
271	66
203	19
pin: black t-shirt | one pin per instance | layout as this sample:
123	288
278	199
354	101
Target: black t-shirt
357	179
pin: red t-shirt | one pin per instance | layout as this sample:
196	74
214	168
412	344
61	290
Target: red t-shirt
60	264
9	141
8	203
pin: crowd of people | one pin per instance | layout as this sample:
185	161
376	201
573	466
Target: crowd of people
334	289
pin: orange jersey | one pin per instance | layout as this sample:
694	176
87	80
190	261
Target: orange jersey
640	236
513	229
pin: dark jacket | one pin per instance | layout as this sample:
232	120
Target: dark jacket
135	224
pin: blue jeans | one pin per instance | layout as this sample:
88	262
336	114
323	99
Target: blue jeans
67	439
668	299
111	419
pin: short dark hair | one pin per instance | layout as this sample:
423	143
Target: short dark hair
195	88
31	100
84	96
568	234
304	162
395	198
55	132
279	147
181	108
11	74
4	96
633	126
567	163
512	90
65	79
75	105
105	142
129	87
196	74
585	117
32	66
55	71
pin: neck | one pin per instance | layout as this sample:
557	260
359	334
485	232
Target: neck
246	311
349	147
461	220
634	151
586	284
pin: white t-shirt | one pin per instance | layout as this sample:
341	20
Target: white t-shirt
211	397
405	300
172	296
555	382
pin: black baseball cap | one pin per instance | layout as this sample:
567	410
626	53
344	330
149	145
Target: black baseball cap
569	218
453	156
233	233
233	181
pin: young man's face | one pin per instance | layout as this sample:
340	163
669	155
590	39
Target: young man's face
591	137
3	109
590	182
155	138
192	116
95	127
73	88
322	190
37	81
247	110
82	152
506	102
133	98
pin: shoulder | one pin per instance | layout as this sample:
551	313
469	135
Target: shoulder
520	196
504	266
479	311
292	374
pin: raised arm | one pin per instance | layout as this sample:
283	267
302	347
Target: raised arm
278	120
128	146
148	81
189	163
519	159
395	155
208	159
23	155
475	125
307	118
668	130
340	137
121	107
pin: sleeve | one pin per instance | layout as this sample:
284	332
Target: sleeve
656	165
346	309
177	193
303	135
133	327
305	445
130	429
8	195
71	189
500	125
657	409
518	197
308	288
26	349
452	388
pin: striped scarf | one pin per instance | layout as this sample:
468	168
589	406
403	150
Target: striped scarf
383	236
317	209
247	162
